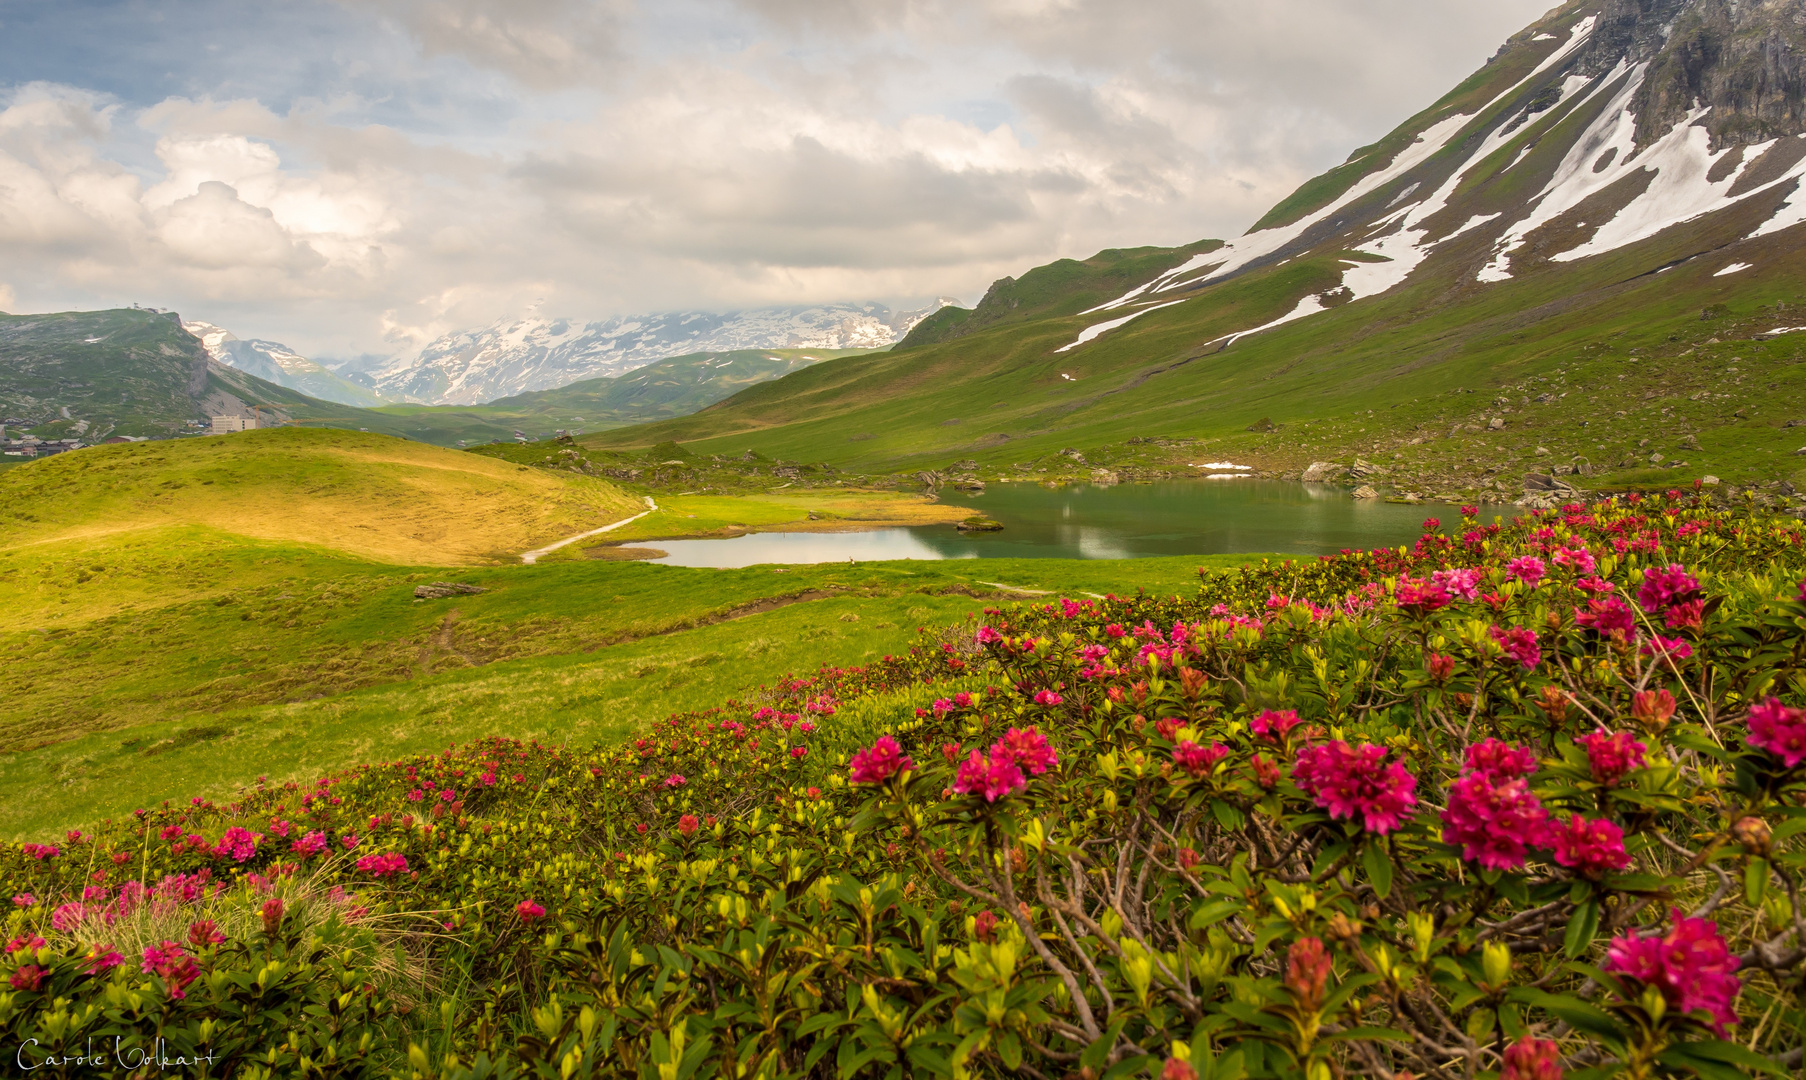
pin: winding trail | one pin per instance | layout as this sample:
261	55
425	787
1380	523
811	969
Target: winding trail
532	557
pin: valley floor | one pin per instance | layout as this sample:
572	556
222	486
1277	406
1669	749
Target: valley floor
189	662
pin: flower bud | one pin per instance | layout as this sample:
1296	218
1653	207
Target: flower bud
1495	959
1652	708
1754	834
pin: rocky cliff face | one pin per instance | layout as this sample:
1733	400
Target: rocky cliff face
1741	60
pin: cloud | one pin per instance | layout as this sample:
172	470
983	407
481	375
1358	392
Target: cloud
413	167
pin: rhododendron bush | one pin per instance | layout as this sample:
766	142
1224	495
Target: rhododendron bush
1520	801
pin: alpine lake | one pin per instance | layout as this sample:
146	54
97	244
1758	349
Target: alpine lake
1120	521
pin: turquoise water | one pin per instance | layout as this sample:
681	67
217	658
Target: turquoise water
1126	521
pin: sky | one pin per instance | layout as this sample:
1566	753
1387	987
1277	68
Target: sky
357	177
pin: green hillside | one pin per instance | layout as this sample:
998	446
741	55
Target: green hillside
1459	371
369	495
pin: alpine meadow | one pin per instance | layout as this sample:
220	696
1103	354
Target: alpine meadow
1372	646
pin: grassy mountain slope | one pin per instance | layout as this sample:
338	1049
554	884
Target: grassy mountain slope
1065	287
1407	364
369	495
133	372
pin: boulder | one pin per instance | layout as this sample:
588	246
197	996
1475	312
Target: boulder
440	590
1496	423
1365	492
1709	481
1691	442
1539	482
1320	472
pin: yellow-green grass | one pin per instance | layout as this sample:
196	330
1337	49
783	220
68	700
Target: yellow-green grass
320	662
366	495
681	516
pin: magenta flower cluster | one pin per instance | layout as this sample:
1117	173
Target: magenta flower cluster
1612	756
1357	783
1690	965
1491	813
1780	730
1020	751
882	761
384	865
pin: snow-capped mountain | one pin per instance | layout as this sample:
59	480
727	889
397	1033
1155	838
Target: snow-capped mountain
279	364
516	355
1607	127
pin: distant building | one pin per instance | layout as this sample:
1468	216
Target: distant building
226	425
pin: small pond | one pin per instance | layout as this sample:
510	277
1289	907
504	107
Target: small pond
1125	521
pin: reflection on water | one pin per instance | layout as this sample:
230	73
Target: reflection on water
1182	517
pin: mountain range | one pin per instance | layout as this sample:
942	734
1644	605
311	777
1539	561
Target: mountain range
281	365
518	355
1588	252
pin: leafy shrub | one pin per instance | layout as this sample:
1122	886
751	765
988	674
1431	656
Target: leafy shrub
1520	799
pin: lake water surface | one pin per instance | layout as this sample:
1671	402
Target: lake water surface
1125	521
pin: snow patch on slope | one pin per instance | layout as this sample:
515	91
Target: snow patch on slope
1403	251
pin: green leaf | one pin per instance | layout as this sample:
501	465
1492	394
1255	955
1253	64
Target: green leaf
1378	865
1755	881
1719	1051
1209	914
1583	926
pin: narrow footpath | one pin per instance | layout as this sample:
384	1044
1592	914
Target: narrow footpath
532	557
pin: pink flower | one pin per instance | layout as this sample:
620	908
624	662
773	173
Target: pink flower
1609	616
1690	965
349	840
1500	761
1048	697
172	964
28	977
1669	649
988	636
1519	643
1272	726
102	959
1027	748
688	824
32	942
1528	569
1307	972
1663	588
963	700
1778	729
1420	595
1353	782
1464	583
1687	615
884	760
1439	666
203	933
675	780
238	844
272	913
384	865
1612	756
1266	773
942	707
529	911
1591	846
416	795
1198	760
993	778
68	916
24	900
1531	1058
1495	824
799	751
311	844
40	852
1578	559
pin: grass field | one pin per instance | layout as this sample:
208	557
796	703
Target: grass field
144	664
367	495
